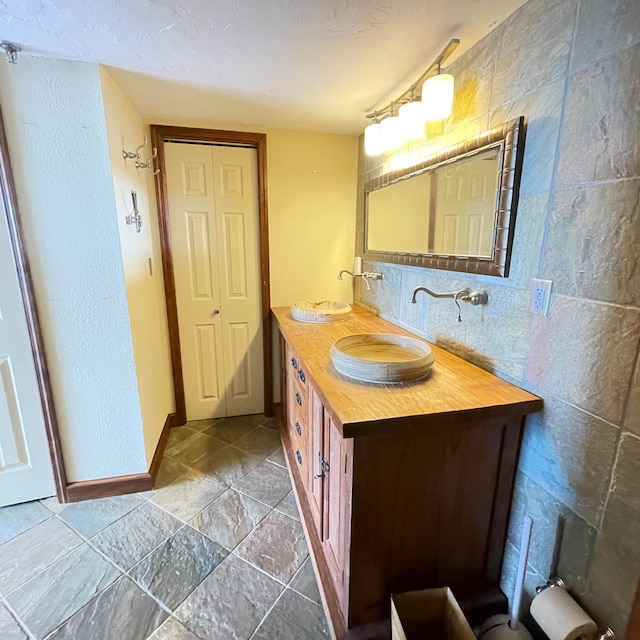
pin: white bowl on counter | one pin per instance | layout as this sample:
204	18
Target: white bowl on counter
322	311
383	358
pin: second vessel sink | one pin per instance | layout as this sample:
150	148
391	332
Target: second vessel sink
381	357
323	311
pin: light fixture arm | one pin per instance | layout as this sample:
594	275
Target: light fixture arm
411	91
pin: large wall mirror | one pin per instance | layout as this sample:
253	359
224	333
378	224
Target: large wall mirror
456	210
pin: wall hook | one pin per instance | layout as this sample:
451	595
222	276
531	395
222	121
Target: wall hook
135	155
148	165
12	50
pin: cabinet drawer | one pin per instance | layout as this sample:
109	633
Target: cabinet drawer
297	374
298	428
297	404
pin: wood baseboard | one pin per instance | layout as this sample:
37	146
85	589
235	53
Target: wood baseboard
107	487
169	423
120	485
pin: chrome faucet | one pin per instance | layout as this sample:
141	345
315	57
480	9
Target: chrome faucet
365	275
466	295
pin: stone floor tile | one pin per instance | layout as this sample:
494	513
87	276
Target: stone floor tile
189	494
271	423
277	457
230	518
276	545
201	425
170	470
268	483
53	504
63	588
230	429
289	507
262	442
229	465
174	569
177	436
19	517
230	603
305	582
198	446
132	537
256	419
293	617
171	629
91	516
34	550
9	627
122	612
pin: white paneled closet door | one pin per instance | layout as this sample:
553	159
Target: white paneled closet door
465	202
214	218
25	462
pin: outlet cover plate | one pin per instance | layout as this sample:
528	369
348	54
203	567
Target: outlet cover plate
540	297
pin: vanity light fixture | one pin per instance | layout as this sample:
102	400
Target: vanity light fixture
373	139
391	132
437	96
434	103
413	117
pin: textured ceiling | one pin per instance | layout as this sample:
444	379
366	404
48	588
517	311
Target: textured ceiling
306	64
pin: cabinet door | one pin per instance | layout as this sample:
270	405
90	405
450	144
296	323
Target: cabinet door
316	452
337	502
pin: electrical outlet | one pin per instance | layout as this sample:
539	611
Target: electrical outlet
540	297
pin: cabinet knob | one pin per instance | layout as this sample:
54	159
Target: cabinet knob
298	428
299	456
302	377
298	399
294	363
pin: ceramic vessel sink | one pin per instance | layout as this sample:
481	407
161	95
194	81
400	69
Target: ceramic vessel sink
381	357
322	311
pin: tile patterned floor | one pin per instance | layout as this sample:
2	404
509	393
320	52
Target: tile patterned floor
215	552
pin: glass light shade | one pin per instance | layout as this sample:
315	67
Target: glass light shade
412	117
373	140
391	130
437	96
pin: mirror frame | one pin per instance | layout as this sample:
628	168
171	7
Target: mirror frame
510	136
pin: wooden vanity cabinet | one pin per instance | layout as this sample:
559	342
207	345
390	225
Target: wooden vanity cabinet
394	503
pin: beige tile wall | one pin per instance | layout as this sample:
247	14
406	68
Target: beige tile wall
571	68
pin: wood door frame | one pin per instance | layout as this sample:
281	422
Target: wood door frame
258	141
8	195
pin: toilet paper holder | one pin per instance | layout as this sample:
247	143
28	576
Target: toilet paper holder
607	634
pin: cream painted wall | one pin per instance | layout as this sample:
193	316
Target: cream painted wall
142	263
55	121
312	203
312	180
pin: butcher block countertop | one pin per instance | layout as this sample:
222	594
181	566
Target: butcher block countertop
455	392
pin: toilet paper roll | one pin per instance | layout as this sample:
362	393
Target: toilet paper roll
560	616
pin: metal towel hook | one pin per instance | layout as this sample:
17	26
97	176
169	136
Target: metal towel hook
135	155
12	50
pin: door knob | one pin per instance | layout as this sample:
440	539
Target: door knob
215	312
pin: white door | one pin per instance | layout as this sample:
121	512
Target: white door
214	219
465	202
25	464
